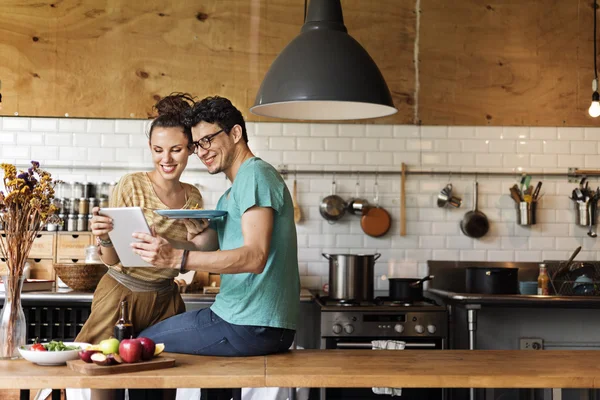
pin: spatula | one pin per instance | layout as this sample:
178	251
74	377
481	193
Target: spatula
297	211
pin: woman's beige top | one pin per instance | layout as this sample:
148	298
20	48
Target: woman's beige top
136	190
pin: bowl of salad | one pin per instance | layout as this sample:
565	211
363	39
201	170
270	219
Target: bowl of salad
52	353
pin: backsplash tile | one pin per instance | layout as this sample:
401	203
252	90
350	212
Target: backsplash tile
79	149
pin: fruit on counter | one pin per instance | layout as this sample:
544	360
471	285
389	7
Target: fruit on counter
160	347
106	359
148	348
86	355
109	346
131	350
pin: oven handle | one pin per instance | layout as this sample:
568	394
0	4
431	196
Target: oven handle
343	345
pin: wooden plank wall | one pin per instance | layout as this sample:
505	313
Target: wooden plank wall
496	62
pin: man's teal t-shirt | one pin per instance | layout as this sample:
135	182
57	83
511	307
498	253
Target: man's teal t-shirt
271	298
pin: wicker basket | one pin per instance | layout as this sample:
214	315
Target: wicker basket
81	277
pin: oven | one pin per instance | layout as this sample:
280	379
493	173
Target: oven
422	326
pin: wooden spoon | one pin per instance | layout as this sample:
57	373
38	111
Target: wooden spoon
297	212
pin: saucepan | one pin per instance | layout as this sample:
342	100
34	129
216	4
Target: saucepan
332	207
407	289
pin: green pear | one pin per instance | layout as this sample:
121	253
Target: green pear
109	346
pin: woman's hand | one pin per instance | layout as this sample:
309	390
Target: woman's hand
195	227
157	251
101	224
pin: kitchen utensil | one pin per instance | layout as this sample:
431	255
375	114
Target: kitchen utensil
407	289
514	193
332	207
403	201
528	287
444	196
351	276
492	280
297	211
375	221
475	223
357	205
536	191
567	265
590	232
93	369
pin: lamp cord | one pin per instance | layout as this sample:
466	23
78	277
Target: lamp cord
305	1
595	56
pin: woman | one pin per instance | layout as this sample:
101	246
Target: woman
151	293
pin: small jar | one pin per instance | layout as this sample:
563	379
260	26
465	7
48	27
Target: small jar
84	206
103	202
77	189
51	226
74	206
92	256
90	216
93	202
72	223
60	226
82	222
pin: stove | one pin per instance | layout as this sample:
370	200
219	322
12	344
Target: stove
421	325
383	318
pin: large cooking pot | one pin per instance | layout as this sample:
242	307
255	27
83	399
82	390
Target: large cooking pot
492	280
351	276
407	289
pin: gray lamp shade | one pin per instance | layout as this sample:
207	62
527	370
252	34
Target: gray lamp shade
324	74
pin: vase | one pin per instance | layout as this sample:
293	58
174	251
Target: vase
12	319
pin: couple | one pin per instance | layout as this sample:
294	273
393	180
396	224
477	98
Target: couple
254	247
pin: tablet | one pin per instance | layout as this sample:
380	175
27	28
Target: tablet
126	221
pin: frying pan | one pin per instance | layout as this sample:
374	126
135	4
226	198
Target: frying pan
375	222
474	224
332	207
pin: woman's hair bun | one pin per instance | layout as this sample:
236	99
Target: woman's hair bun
174	104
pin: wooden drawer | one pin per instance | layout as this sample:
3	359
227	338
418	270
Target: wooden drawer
43	246
41	268
71	246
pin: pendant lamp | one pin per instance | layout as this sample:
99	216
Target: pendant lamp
324	74
594	109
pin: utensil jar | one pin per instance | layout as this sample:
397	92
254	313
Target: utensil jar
526	213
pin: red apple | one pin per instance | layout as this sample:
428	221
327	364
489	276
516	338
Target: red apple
130	350
86	355
148	348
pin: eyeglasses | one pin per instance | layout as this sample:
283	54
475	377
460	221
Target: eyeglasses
205	142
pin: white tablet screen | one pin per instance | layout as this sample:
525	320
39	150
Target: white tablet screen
126	221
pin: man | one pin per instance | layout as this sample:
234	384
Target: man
257	308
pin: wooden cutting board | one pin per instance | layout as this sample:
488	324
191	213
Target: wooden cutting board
93	369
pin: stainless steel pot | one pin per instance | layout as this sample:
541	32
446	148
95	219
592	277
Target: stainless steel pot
351	276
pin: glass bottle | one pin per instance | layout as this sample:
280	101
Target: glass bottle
123	328
543	281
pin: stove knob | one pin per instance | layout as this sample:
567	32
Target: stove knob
419	328
431	329
337	328
399	328
348	329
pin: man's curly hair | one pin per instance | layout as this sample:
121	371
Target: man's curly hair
216	110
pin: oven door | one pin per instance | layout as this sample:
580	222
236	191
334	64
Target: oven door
416	343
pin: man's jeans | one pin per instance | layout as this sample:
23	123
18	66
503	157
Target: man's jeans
203	332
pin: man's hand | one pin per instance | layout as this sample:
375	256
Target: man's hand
195	227
157	251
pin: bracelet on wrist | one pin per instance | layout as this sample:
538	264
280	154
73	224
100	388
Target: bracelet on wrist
183	261
103	243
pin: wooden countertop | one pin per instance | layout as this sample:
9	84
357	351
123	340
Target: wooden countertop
189	371
337	368
437	368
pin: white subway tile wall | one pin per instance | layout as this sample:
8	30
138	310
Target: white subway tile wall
80	150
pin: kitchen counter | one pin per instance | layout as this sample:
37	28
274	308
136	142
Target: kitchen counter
335	368
516	300
69	296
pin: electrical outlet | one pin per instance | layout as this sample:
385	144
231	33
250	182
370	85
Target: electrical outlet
531	344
